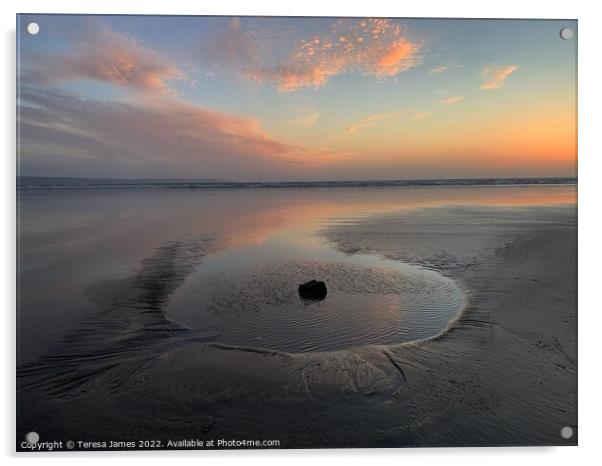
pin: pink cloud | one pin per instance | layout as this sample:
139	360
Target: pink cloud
101	54
159	134
233	45
372	120
496	75
374	47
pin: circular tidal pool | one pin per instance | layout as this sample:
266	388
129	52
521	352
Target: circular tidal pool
249	297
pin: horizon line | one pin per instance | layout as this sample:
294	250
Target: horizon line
358	180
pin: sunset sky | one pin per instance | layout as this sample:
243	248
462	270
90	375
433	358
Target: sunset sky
295	98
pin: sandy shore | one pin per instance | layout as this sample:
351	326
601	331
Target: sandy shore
504	374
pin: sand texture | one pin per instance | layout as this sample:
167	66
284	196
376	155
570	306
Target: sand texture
504	373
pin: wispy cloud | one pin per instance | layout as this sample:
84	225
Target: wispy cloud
445	67
438	69
307	120
372	120
101	54
495	75
154	135
451	100
418	116
234	47
374	47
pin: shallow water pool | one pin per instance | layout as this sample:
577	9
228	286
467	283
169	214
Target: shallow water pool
246	295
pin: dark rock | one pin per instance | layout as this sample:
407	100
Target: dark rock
313	289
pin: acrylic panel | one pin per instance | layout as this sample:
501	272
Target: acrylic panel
295	232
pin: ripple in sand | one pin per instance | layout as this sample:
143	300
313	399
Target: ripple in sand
369	301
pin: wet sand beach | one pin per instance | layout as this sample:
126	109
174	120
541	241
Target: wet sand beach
501	370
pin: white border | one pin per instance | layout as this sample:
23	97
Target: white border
590	174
